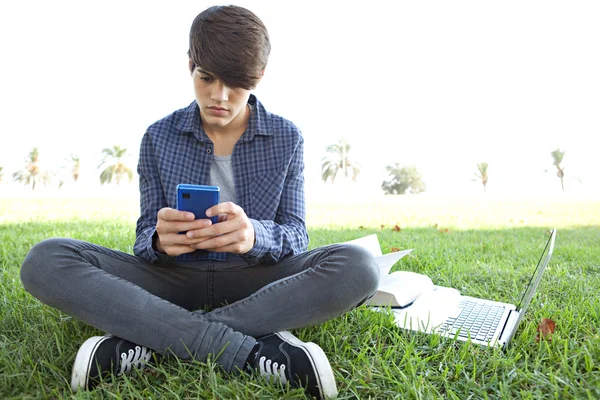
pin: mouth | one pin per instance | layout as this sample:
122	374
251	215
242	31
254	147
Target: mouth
218	111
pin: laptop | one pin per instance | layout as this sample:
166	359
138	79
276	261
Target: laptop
446	312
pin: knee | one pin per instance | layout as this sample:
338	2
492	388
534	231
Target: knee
38	264
361	269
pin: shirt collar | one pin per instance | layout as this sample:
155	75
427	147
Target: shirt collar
259	124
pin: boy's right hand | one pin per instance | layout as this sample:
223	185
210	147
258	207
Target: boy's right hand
169	223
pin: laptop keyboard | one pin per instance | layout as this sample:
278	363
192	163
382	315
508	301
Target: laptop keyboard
476	319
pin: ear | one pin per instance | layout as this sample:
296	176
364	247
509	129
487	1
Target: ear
262	75
191	66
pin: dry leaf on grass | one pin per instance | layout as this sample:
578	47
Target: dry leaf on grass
396	228
394	249
545	329
445	230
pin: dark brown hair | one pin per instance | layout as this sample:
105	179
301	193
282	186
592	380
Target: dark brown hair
230	42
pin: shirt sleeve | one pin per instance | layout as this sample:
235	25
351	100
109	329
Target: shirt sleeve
286	234
152	199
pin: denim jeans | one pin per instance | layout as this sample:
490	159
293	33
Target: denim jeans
197	309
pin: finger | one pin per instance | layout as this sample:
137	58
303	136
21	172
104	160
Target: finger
174	244
195	241
212	230
197	225
227	207
179	227
217	243
181	239
236	242
170	214
235	248
179	249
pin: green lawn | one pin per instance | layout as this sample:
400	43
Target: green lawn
481	246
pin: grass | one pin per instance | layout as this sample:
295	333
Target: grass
483	247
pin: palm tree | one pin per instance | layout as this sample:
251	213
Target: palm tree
557	156
116	170
482	174
337	160
76	169
32	174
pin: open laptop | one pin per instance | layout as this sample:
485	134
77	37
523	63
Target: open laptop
485	322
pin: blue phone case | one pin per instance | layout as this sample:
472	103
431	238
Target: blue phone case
197	199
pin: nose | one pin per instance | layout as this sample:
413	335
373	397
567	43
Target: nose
220	92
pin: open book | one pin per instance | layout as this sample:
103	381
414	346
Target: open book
396	289
411	295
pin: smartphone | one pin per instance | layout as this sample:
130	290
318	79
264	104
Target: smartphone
197	199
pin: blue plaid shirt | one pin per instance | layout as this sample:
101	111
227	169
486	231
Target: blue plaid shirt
268	169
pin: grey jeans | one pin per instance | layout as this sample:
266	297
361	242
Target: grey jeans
162	305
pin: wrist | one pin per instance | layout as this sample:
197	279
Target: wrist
156	243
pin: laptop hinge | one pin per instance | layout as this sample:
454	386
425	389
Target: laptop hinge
506	334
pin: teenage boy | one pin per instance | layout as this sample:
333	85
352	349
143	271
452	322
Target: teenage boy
229	290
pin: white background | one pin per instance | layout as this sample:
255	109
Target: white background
441	85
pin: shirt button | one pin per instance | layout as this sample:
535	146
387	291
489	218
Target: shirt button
208	151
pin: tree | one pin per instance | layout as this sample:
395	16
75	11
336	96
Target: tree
403	179
338	160
32	174
117	170
557	157
76	167
482	174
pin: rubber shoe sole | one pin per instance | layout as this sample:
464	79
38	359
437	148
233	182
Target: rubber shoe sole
80	376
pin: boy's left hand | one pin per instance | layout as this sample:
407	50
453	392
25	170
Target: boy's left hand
233	234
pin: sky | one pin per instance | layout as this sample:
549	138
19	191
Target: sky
440	85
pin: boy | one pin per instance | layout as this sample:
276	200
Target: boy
251	269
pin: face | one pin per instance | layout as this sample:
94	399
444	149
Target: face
221	106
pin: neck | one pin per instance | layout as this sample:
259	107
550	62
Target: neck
237	125
224	138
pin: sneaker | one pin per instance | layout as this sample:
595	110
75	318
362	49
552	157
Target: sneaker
100	357
283	357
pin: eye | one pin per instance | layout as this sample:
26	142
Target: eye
206	78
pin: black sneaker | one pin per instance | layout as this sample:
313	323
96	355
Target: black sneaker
99	357
283	357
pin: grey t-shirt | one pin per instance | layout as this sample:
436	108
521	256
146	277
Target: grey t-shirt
221	175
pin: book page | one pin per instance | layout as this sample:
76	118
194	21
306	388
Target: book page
429	311
384	261
370	243
387	261
400	288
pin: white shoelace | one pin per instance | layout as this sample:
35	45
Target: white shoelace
272	369
137	359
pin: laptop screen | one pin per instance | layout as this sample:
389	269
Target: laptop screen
536	277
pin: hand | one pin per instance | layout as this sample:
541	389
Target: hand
233	234
169	223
